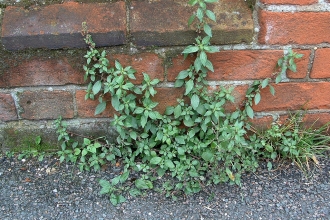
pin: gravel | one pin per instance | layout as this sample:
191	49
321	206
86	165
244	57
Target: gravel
49	190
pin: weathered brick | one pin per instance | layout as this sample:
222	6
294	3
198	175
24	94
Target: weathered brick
41	71
291	2
46	104
59	25
294	28
242	65
149	63
86	108
295	96
7	108
178	64
164	22
167	97
261	123
321	65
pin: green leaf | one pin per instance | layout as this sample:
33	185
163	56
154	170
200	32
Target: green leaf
190	49
191	19
249	111
194	101
155	160
272	90
105	186
210	15
115	180
209	65
203	58
124	176
257	98
177	111
143	184
180	139
143	121
134	192
183	74
210	1
115	102
207	155
189	86
264	83
169	164
208	30
278	79
133	135
97	87
118	65
181	151
179	83
100	108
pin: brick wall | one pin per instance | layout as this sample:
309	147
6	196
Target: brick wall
42	52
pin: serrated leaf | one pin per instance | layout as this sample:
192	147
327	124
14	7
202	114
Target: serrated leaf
257	98
278	79
100	108
133	135
115	102
97	87
143	184
189	86
183	74
210	15
207	29
191	19
180	139
272	90
115	180
178	83
194	101
249	111
181	151
207	155
105	186
190	49
124	176
203	58
264	83
155	160
209	65
118	65
169	164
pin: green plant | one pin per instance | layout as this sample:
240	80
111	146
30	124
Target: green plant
292	140
195	143
33	150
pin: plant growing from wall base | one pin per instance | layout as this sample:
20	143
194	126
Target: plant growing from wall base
196	142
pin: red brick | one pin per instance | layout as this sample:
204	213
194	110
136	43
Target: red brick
321	65
59	25
294	28
7	108
167	97
295	96
46	104
164	22
178	64
41	71
149	63
292	2
86	108
242	65
262	123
